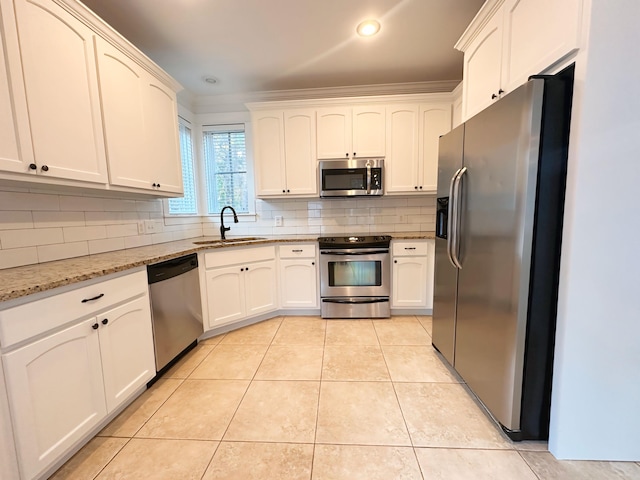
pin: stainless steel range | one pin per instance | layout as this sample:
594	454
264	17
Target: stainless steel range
354	276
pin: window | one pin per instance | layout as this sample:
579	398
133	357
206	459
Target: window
225	160
187	205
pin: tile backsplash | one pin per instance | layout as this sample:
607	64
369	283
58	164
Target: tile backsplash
38	226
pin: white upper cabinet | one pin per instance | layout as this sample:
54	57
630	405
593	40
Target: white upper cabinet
347	132
285	152
80	106
58	62
140	123
16	152
413	133
509	40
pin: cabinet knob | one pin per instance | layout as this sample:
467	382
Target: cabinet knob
416	187
154	185
500	92
346	155
105	321
242	269
158	185
493	96
395	261
420	187
33	166
283	191
354	154
95	326
44	168
246	268
288	191
313	263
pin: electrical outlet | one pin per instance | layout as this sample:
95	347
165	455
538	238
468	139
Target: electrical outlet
141	229
278	220
150	226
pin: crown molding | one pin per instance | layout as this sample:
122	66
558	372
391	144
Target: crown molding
486	12
236	102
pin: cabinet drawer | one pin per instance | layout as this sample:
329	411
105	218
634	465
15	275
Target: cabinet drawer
31	319
237	256
297	251
406	249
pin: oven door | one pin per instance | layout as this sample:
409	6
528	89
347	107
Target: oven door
354	273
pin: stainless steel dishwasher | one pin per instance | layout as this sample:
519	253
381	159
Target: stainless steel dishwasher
176	307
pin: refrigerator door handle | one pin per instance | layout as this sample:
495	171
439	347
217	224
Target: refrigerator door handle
455	237
450	211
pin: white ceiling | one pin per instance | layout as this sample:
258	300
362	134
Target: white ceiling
269	45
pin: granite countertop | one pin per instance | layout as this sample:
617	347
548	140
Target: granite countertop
21	281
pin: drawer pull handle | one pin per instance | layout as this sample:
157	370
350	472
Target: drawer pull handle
409	248
95	326
105	321
298	250
92	299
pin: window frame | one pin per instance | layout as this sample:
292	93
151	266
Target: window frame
196	173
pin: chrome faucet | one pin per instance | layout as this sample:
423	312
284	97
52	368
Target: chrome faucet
222	227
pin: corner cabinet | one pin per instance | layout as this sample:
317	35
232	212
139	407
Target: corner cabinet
285	153
509	40
241	283
349	132
82	106
413	133
141	130
64	382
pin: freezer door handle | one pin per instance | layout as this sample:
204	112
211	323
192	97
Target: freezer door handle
450	232
455	237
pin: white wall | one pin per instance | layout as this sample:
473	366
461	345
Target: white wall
596	390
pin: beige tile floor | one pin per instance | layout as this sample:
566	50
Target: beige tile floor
305	398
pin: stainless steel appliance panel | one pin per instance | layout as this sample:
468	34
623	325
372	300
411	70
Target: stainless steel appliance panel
357	272
356	307
176	308
446	275
351	177
497	201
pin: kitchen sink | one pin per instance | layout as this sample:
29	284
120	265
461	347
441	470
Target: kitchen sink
229	240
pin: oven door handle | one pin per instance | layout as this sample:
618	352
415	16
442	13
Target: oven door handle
353	302
368	252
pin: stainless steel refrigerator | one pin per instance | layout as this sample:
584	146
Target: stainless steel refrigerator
501	182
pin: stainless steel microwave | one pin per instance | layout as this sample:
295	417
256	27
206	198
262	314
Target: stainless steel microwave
351	178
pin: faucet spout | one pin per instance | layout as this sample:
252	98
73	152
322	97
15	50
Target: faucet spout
224	229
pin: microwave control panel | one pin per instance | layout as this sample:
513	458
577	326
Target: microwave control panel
376	178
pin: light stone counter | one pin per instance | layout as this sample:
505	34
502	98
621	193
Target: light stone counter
21	281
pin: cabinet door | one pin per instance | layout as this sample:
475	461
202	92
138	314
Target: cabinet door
260	287
401	163
163	145
121	90
409	282
268	132
225	295
56	394
435	120
334	133
537	33
369	132
300	152
126	346
482	64
298	283
59	66
16	152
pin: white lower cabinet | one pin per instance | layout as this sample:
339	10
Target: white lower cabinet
298	276
241	283
412	275
62	385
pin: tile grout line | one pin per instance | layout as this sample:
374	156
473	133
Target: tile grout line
315	433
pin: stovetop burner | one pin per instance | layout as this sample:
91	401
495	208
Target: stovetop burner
353	241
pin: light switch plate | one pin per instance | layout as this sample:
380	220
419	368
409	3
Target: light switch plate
278	220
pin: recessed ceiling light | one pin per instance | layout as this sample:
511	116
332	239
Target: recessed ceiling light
210	80
368	28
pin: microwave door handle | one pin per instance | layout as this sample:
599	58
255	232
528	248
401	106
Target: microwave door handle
368	178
